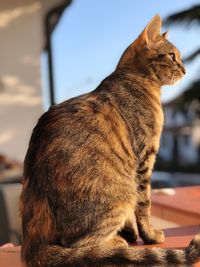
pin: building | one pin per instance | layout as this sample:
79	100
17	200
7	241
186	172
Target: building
180	143
25	30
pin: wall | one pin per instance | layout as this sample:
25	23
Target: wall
20	86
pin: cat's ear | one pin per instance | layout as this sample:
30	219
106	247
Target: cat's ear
146	38
166	35
151	31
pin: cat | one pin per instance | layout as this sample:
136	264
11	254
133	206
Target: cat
88	167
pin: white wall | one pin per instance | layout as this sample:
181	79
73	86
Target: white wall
20	86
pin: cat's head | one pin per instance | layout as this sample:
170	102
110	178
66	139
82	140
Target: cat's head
152	53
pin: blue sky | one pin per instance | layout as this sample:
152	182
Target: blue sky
92	35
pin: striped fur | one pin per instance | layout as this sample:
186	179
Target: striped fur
88	167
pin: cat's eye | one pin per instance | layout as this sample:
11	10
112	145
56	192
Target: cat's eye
172	56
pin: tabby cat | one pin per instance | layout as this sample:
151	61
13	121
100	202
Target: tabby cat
88	166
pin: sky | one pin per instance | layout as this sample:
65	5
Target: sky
92	35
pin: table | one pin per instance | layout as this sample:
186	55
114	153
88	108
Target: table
175	238
182	207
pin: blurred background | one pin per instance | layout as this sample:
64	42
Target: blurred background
52	50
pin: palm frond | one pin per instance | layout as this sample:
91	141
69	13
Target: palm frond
188	16
192	56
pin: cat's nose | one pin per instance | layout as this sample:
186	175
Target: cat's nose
182	69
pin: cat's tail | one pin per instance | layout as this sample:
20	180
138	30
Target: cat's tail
56	256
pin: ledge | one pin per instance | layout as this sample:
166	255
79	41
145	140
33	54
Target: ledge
182	207
175	238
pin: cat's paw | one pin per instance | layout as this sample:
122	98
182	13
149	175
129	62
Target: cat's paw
154	237
119	241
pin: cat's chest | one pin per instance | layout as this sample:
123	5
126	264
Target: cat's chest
155	119
148	118
153	108
148	127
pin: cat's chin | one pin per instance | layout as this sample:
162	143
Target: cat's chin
167	81
171	81
176	81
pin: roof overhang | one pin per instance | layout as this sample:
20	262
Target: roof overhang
52	11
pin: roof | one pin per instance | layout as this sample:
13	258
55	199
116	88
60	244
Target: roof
52	11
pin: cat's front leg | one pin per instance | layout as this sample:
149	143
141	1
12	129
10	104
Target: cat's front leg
146	231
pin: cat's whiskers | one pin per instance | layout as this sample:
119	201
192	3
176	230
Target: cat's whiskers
149	64
157	75
166	77
155	72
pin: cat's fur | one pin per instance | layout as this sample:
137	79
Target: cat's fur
87	170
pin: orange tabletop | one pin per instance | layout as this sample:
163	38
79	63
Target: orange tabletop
175	238
182	208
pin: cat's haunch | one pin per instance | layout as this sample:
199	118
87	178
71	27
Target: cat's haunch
88	167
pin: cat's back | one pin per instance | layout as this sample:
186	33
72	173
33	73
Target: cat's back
64	121
84	131
65	118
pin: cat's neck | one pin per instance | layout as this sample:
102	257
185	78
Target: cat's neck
143	79
129	91
136	69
